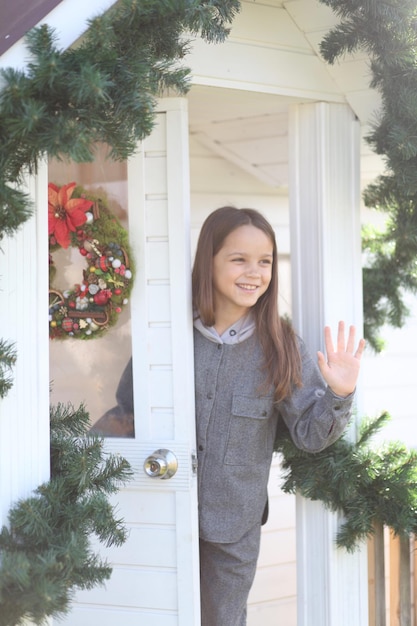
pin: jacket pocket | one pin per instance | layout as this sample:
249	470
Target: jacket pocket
248	431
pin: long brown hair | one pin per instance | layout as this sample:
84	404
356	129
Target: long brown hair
278	342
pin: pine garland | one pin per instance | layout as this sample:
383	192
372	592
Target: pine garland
103	90
45	551
363	484
7	361
386	31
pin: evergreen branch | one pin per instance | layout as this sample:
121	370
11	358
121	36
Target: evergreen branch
369	428
102	90
363	485
386	31
45	552
7	361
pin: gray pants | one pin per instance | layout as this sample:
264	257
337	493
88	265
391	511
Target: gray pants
227	571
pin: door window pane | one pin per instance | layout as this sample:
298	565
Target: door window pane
96	372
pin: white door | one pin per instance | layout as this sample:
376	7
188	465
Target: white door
155	573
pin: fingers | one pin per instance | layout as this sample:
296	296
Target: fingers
350	346
328	340
361	348
341	337
341	346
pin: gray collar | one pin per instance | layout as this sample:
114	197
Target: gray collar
236	333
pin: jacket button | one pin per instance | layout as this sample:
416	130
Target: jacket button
209	395
200	447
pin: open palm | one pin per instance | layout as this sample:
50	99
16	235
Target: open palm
341	368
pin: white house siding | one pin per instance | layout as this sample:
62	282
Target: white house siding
273	598
268	53
24	412
389	378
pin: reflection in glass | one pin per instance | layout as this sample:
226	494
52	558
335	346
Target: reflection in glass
96	372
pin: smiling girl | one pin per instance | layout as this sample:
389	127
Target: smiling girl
250	371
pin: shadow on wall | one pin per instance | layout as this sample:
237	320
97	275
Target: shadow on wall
119	420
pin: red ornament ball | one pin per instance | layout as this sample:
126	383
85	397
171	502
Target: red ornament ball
67	324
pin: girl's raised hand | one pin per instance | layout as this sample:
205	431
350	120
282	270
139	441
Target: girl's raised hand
341	369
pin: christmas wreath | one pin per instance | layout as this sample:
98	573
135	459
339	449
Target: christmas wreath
82	220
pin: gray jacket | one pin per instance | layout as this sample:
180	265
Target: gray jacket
236	429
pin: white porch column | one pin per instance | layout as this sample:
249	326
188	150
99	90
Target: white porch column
327	287
24	412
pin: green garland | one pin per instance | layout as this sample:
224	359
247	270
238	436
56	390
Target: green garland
365	485
102	90
386	31
45	550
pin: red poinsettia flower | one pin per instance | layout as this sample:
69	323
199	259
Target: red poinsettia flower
65	213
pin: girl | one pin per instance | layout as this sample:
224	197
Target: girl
251	369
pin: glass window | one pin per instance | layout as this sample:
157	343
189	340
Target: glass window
96	372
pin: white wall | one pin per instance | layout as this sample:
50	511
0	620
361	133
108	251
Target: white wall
389	378
390	381
24	412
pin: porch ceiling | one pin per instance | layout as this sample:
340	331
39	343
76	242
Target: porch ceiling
250	129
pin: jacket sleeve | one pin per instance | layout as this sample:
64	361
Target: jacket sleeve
314	415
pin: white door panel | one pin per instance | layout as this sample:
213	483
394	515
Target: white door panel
155	573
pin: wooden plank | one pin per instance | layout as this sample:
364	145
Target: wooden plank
377	616
277	582
400	582
405	581
414	553
371	582
239	65
85	615
394	579
24	412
